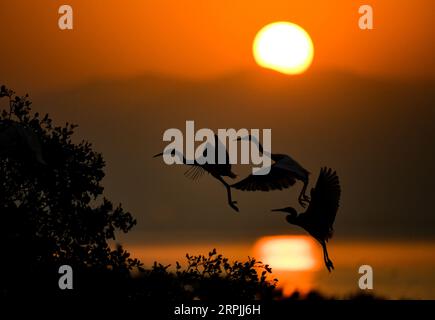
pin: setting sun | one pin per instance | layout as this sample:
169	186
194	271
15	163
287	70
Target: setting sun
283	47
291	253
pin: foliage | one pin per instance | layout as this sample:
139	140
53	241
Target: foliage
210	277
54	213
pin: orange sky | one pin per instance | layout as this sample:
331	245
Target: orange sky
204	38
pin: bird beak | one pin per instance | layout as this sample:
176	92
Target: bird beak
278	210
158	155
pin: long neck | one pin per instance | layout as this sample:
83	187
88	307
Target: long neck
259	146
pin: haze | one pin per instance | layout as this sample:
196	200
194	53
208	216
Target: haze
203	39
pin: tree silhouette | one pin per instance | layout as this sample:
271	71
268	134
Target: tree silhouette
209	277
53	212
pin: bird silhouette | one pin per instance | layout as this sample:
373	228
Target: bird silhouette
283	174
319	217
16	137
217	170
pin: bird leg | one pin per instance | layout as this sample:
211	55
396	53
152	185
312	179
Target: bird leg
303	199
328	262
230	200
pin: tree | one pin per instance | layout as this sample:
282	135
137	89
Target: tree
52	209
209	277
53	212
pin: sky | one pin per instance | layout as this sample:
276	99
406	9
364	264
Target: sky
203	39
130	70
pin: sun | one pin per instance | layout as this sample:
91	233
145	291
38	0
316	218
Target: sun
284	47
291	253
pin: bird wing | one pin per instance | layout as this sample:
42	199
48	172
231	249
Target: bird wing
277	179
195	172
325	200
220	147
288	163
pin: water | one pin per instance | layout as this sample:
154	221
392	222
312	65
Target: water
400	269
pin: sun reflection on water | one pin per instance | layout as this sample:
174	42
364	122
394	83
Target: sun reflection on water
294	260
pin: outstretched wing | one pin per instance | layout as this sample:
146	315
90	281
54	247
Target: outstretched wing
276	179
195	172
325	200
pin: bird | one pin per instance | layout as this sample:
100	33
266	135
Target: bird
283	174
319	217
217	170
17	137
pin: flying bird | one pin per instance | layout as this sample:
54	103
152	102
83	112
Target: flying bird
16	137
283	174
217	170
319	217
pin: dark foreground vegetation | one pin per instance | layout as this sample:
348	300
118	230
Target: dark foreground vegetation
53	213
